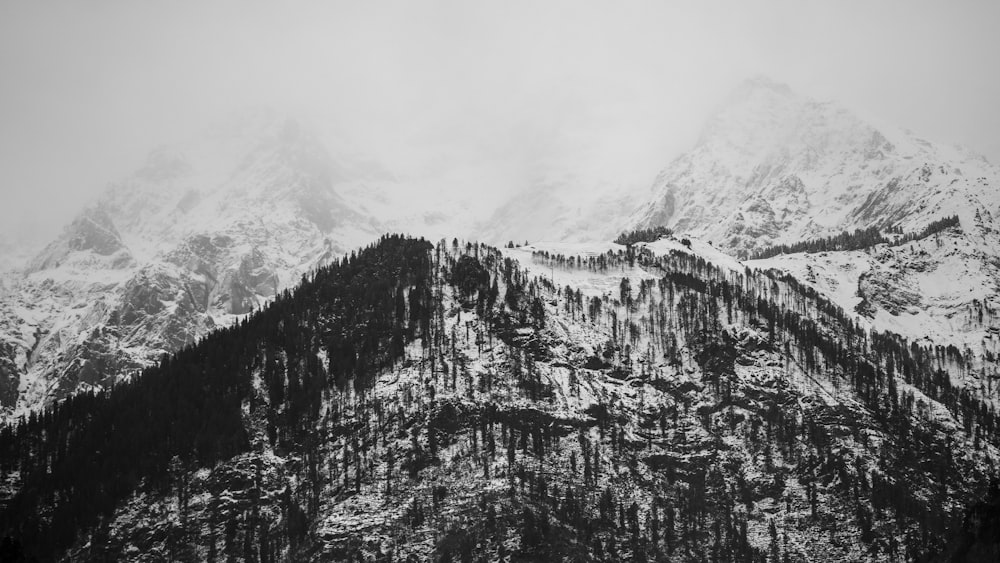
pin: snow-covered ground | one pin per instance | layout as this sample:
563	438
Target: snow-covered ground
928	290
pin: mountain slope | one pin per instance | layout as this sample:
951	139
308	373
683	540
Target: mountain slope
939	291
569	403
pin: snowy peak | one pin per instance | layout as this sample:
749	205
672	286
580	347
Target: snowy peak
200	234
775	167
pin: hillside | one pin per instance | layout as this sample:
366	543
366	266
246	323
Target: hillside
572	403
940	291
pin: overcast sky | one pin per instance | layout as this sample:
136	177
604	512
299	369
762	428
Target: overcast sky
88	88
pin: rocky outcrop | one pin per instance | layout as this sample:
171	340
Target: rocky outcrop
887	291
90	238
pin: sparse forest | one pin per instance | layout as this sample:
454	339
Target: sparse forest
857	240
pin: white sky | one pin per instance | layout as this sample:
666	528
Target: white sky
500	88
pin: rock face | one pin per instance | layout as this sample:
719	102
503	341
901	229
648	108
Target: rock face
91	240
772	167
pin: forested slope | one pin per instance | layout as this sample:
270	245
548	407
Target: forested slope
462	403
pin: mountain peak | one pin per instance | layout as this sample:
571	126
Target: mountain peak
772	166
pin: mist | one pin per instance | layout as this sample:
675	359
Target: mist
487	95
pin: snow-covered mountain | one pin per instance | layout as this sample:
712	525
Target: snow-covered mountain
205	231
775	167
573	400
201	234
770	167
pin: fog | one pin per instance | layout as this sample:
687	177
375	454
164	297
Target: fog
489	93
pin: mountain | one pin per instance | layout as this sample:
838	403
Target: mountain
770	167
209	367
206	230
773	167
574	402
201	234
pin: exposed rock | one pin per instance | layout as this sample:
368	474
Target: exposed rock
92	233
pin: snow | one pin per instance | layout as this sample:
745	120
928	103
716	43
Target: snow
598	284
930	291
590	283
947	273
695	247
834	274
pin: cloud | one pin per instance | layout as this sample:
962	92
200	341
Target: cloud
504	88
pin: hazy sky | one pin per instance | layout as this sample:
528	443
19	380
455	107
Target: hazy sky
87	88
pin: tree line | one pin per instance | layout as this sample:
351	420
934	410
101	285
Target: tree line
859	239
